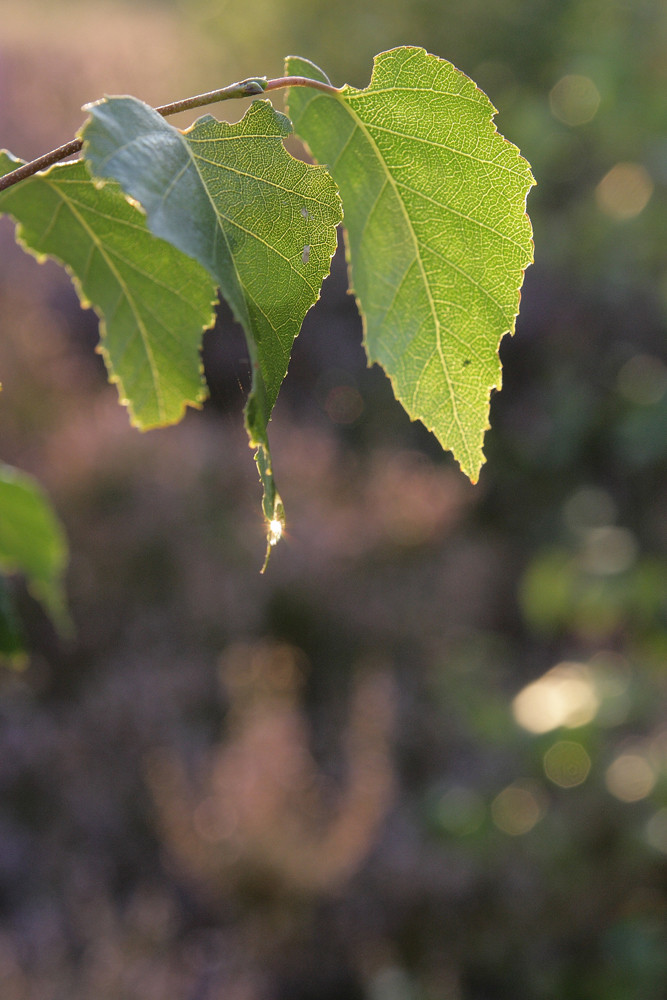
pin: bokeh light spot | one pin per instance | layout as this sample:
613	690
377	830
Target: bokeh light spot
517	809
460	811
630	777
275	531
567	764
608	551
564	696
656	830
574	100
344	404
391	982
643	380
589	507
625	191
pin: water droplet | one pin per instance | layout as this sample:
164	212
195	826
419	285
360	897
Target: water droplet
275	531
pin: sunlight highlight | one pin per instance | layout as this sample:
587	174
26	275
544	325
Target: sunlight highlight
564	696
275	531
630	777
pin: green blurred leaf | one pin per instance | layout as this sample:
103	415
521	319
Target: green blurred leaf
557	593
547	590
262	223
12	649
32	541
438	235
153	301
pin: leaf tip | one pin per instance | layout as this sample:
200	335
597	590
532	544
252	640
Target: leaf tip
473	475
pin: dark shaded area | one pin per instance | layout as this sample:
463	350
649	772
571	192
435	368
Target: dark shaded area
317	784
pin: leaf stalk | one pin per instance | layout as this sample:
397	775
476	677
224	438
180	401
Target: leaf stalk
252	87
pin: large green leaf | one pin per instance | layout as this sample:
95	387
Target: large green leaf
153	300
438	236
32	541
261	222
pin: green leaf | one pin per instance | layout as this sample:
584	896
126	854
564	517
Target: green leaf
33	542
262	223
12	650
154	302
438	237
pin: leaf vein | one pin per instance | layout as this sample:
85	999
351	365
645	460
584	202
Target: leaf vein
144	333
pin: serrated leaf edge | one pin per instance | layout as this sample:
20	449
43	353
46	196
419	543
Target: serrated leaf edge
473	465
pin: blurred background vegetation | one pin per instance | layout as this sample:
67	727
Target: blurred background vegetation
425	756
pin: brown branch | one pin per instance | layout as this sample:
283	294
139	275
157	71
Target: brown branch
246	88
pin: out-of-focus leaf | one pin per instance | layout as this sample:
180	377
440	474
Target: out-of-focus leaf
32	541
11	638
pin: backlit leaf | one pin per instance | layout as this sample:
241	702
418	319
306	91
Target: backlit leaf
438	237
262	223
153	301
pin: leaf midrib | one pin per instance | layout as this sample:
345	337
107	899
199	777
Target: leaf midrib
220	228
90	210
371	141
252	338
140	325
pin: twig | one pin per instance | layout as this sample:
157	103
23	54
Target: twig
246	88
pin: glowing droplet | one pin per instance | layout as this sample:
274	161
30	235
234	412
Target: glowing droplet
275	531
